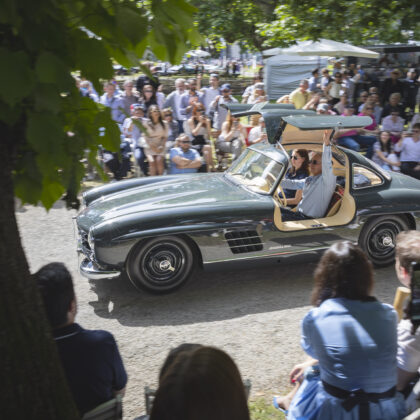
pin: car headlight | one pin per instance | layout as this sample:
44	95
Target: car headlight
91	239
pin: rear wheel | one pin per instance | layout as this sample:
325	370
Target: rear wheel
378	238
160	265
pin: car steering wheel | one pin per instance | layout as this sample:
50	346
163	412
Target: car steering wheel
281	196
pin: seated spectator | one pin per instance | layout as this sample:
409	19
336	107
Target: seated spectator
201	384
182	158
232	138
392	85
407	252
334	89
325	79
409	147
339	106
394	102
155	136
352	337
90	358
299	170
258	94
314	82
324	109
148	97
362	100
383	155
285	99
300	96
250	89
313	103
394	124
414	120
198	129
258	134
173	128
371	129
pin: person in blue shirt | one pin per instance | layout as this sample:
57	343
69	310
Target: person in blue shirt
90	358
184	159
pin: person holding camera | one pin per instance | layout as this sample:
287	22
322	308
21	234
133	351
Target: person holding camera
232	138
198	129
407	267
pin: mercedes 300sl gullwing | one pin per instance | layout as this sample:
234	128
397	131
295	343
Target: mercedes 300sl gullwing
157	229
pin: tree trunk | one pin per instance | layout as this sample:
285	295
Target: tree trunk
33	382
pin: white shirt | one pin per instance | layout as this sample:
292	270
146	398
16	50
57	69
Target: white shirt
177	99
209	94
410	150
255	134
408	354
389	125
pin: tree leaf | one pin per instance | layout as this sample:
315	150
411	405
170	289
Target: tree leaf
16	74
132	23
50	69
47	98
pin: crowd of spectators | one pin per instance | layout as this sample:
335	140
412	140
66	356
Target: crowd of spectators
391	140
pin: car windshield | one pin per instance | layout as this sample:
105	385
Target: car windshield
256	171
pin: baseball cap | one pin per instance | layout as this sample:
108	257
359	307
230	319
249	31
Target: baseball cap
322	107
259	86
226	86
133	107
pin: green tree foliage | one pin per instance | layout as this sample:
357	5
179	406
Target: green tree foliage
234	20
43	42
46	128
355	21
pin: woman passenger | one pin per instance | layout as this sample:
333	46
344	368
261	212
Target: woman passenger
299	170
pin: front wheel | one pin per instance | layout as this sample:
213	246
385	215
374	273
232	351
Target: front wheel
160	265
378	238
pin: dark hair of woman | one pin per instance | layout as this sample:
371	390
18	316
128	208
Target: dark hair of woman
151	122
198	109
203	384
148	101
343	271
387	146
303	153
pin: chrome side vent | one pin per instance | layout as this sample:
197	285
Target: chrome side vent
241	241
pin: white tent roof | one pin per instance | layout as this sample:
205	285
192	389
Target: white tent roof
323	47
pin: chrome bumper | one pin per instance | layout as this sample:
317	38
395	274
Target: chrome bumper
93	272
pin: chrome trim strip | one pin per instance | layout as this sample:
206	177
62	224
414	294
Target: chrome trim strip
91	271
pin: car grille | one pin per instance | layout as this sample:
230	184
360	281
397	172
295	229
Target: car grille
84	240
241	241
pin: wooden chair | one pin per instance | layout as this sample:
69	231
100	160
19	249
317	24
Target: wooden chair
110	410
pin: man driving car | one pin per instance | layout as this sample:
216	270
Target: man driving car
317	189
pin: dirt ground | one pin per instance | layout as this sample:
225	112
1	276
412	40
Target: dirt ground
254	315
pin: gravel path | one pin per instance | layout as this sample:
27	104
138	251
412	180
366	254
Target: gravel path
254	315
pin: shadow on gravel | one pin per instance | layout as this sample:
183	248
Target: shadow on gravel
210	296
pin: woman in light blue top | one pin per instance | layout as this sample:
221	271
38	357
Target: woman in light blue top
353	338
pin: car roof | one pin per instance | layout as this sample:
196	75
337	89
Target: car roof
279	117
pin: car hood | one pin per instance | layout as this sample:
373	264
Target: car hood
175	195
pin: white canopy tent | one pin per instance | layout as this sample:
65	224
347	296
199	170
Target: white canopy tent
323	47
198	53
283	73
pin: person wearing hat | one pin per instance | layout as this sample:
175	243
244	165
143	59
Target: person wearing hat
392	85
323	109
220	113
258	94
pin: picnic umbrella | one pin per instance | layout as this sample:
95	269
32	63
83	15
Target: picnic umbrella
323	47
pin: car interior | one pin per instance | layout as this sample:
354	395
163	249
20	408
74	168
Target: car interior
342	206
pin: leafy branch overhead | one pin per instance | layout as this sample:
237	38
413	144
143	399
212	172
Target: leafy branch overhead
51	126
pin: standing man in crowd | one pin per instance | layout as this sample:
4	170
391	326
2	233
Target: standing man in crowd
128	98
300	96
111	100
313	82
189	98
209	93
90	358
411	88
184	159
220	113
173	101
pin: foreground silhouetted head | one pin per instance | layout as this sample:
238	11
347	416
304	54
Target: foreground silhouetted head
56	286
201	384
343	271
